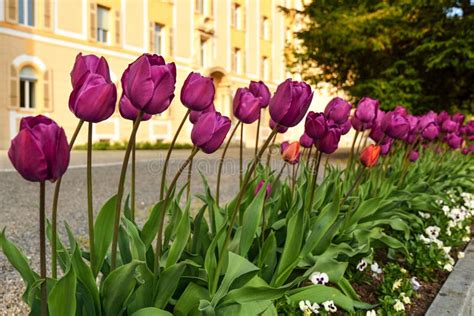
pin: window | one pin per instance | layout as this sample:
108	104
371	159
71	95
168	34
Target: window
158	39
26	12
265	68
265	28
204	55
199	6
102	24
27	88
237	16
237	60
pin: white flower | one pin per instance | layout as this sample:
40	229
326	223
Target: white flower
371	313
405	298
415	284
448	267
362	265
438	242
398	306
447	250
319	278
466	239
445	209
424	215
424	239
397	284
375	268
307	308
460	255
439	202
432	232
450	260
329	306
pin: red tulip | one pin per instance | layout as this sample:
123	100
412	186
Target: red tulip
370	155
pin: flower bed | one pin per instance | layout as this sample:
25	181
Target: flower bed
370	239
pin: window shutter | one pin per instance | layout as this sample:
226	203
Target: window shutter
48	85
117	27
93	21
47	14
12	11
152	37
14	87
171	41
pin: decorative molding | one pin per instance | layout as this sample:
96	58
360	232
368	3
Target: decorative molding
35	60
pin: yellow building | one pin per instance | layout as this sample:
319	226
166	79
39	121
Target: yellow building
234	41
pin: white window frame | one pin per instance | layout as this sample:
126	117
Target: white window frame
158	40
103	32
237	16
27	81
237	60
26	5
265	28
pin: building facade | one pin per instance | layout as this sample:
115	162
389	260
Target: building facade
233	41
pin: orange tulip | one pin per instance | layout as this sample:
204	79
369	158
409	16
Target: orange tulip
291	153
370	155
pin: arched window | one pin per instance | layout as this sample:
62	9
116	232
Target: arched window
28	81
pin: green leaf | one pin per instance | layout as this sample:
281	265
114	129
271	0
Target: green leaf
188	302
182	236
251	221
138	249
117	287
320	293
150	229
62	298
167	284
151	311
104	229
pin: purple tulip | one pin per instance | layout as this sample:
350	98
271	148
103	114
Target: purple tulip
197	92
443	116
395	125
259	89
40	151
290	102
89	64
454	141
209	132
413	155
358	125
385	146
315	125
195	115
94	95
401	110
458	118
149	83
449	126
306	141
330	141
345	127
128	111
246	106
431	131
268	189
283	146
281	129
338	110
366	111
465	151
470	128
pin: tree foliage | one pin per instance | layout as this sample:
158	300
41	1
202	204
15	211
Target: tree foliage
416	53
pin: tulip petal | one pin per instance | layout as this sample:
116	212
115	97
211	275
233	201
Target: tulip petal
139	86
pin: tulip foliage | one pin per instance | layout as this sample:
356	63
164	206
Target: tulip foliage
256	254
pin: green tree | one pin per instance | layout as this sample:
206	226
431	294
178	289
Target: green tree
416	53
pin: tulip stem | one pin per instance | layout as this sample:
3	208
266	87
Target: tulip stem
314	180
190	172
269	154
168	154
221	163
241	154
159	246
118	204
44	293
235	211
354	185
133	182
258	135
351	155
54	211
90	210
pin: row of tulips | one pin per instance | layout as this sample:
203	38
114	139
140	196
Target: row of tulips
264	243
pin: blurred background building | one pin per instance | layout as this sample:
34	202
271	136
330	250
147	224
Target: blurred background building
233	41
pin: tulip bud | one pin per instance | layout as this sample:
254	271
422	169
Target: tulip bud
401	110
94	95
306	141
345	127
290	102
40	151
246	106
470	128
430	132
259	89
454	141
149	83
443	116
386	146
128	111
449	126
315	125
370	155
281	129
413	155
291	152
268	189
209	132
366	110
197	92
458	118
465	151
395	125
195	115
338	110
330	141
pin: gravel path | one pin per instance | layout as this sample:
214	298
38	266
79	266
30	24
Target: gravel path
19	202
